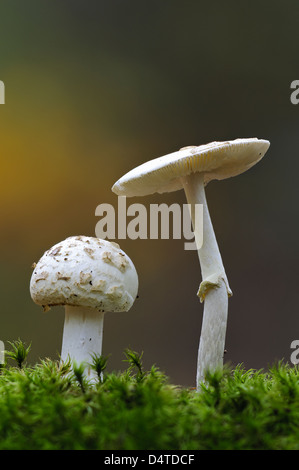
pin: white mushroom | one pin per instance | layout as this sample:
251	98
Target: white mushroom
191	168
89	276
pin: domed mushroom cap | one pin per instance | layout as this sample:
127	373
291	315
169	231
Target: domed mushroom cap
216	160
87	272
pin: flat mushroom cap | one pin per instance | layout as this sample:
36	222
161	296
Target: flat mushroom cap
87	272
216	160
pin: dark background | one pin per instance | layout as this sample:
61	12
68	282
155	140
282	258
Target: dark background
94	88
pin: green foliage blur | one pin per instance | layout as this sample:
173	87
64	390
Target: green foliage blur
49	406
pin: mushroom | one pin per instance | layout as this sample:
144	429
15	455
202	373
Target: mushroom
89	276
192	168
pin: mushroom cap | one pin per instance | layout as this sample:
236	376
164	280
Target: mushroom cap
216	160
87	272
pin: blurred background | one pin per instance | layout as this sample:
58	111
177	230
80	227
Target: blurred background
95	88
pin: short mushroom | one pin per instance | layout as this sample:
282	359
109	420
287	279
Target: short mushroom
191	168
89	276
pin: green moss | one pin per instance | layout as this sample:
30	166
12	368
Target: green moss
49	406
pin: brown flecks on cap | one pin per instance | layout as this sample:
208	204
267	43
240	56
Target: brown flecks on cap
90	252
62	277
43	276
98	286
55	252
85	278
121	262
78	273
107	257
79	238
114	292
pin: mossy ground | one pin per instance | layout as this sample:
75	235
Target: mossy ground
48	406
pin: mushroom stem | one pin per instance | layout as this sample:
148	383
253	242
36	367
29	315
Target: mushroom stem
82	336
214	288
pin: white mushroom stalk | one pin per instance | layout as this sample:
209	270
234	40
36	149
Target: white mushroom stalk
89	277
191	168
214	288
82	336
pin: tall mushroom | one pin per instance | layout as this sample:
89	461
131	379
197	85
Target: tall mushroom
89	276
192	168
